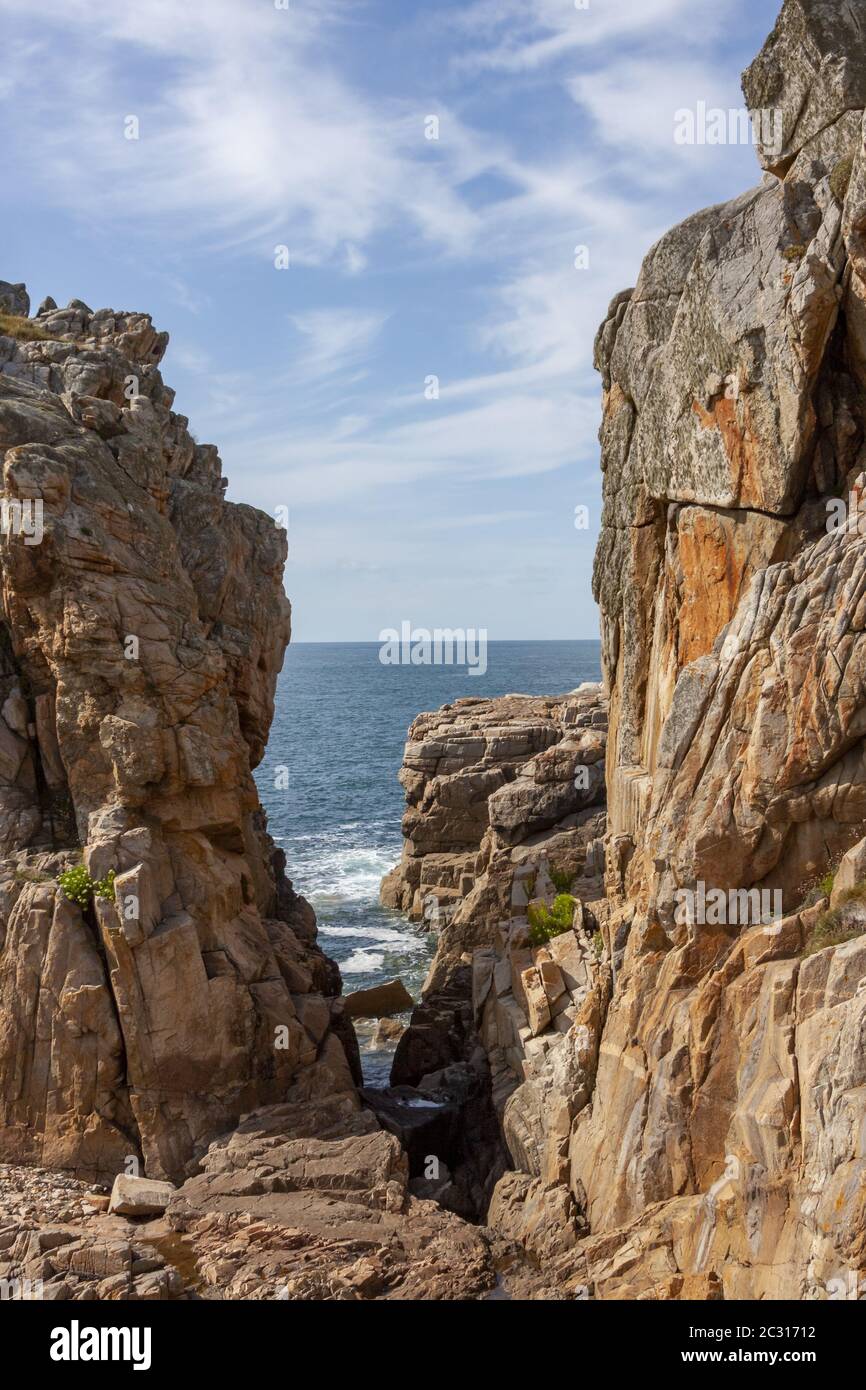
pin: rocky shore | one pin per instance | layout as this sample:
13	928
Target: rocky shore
604	1094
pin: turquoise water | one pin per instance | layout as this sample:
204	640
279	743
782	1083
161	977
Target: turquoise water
340	726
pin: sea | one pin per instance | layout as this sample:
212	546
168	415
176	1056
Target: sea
329	785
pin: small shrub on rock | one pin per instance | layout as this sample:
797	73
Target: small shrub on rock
546	922
80	888
841	177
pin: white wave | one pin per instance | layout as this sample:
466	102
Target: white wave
347	874
381	935
362	962
336	834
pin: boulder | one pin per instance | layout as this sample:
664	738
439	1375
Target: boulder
379	1001
811	70
537	1002
566	952
139	1196
14	299
387	1033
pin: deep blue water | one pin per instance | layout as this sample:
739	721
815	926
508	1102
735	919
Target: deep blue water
340	727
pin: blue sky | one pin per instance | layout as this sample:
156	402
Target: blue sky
306	127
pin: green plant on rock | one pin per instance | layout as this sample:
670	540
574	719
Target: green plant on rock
841	177
79	887
104	887
795	252
825	885
598	944
546	922
820	889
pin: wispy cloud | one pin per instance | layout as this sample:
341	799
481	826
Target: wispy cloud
521	35
245	128
335	338
409	256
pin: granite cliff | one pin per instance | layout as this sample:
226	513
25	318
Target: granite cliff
682	1092
141	640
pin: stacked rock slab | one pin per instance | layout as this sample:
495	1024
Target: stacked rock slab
505	806
493	786
140	640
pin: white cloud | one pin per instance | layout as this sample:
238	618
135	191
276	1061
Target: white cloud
247	131
335	338
522	35
633	106
261	127
510	436
355	259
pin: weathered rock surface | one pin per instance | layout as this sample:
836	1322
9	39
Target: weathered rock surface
717	1153
391	997
694	1127
141	636
681	1095
387	1033
139	1196
491	784
851	872
812	69
177	1017
311	1200
57	1243
496	1010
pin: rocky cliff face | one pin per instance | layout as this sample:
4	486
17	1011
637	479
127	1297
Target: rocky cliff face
140	642
167	1006
729	1079
696	1130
